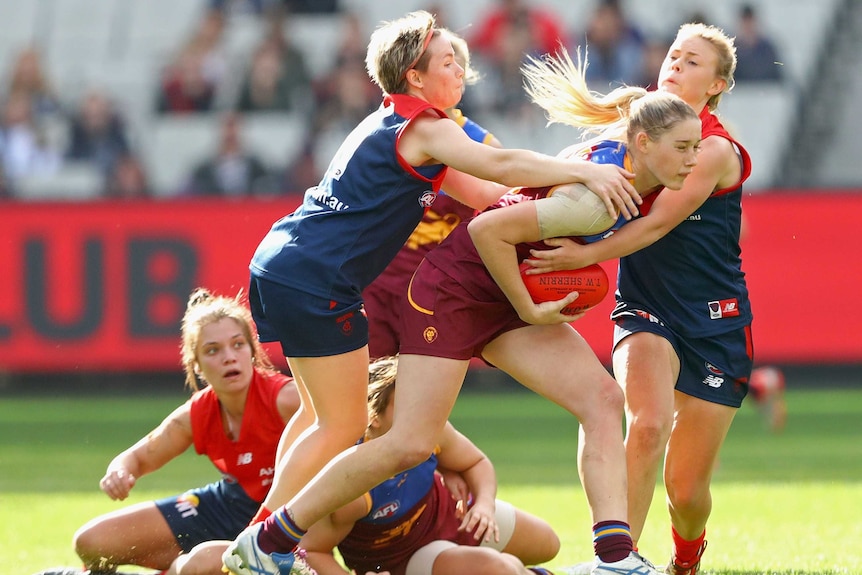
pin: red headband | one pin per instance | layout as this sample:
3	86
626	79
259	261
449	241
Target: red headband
424	47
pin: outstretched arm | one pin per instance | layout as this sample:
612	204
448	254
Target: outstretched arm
670	208
171	438
430	139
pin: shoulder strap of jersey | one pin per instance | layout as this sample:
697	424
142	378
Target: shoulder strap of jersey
713	127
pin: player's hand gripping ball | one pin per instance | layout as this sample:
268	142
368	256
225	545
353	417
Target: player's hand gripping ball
590	282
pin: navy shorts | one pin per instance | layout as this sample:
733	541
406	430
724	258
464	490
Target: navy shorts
715	368
216	511
305	325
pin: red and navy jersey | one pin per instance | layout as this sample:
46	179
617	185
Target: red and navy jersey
692	278
405	513
249	461
351	225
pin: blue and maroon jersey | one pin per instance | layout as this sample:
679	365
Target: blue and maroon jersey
692	278
405	513
250	460
351	225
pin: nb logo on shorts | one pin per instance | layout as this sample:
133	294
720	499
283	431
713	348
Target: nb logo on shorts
430	334
713	380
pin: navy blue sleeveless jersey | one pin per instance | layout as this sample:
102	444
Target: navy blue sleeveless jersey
692	278
352	224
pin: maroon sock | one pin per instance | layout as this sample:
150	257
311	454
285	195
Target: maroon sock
612	540
279	533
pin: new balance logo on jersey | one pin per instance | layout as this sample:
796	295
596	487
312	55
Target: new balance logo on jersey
243	458
723	308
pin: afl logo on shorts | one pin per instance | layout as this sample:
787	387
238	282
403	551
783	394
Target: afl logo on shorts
430	334
427	199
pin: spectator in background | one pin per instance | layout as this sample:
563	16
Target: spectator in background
654	53
278	79
97	133
28	77
344	98
23	148
233	171
493	30
190	83
757	57
511	31
614	48
127	180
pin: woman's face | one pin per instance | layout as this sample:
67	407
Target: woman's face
671	158
224	356
441	84
690	71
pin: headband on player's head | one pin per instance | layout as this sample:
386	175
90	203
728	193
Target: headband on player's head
427	41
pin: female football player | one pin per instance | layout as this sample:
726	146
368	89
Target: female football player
682	342
454	311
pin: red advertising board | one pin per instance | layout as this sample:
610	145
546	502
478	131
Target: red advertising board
102	286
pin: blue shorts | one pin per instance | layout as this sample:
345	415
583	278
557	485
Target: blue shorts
216	511
715	369
305	325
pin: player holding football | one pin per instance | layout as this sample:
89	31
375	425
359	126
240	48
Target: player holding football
308	272
455	311
682	342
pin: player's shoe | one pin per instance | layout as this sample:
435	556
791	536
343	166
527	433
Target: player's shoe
244	557
634	564
677	567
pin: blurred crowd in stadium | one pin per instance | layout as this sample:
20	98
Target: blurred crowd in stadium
242	59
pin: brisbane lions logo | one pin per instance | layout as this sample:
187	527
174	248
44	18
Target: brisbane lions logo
427	199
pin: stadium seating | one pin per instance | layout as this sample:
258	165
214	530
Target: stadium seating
122	45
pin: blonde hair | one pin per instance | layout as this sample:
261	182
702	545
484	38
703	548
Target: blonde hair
204	308
462	55
559	86
381	384
397	46
724	47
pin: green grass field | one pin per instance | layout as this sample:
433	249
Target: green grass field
783	504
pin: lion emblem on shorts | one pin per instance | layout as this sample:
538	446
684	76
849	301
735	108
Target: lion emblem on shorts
430	334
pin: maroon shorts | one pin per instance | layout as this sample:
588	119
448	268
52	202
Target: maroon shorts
442	319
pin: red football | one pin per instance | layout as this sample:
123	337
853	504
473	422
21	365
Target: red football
590	282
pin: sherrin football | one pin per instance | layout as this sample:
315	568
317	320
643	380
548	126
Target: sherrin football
590	282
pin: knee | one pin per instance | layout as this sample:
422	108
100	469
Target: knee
604	406
496	563
407	451
648	432
86	542
684	494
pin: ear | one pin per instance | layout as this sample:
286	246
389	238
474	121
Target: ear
718	86
414	77
642	141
